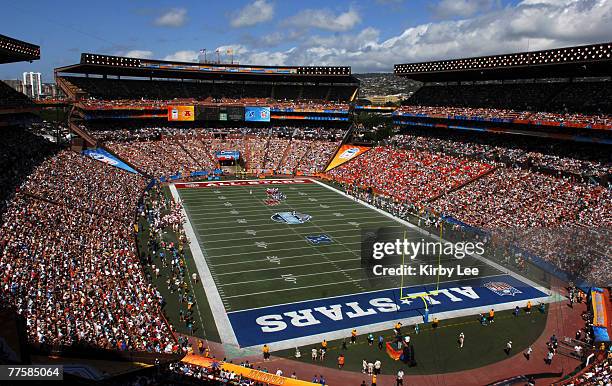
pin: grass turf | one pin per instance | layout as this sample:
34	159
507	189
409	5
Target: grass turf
437	351
257	262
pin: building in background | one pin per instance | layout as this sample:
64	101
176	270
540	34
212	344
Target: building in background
50	90
32	84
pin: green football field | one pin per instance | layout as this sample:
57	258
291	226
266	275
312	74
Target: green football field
257	262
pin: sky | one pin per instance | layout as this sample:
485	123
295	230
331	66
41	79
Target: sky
368	36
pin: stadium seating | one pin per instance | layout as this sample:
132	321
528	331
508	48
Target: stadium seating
414	176
68	259
559	102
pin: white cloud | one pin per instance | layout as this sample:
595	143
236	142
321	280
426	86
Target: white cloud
537	24
142	54
183	56
462	8
174	17
324	19
256	12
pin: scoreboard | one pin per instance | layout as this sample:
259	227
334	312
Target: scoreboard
219	113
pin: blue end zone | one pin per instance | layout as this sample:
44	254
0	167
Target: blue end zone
276	323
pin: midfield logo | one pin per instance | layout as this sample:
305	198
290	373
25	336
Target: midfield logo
502	289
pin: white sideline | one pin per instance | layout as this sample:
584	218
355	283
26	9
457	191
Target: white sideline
224	327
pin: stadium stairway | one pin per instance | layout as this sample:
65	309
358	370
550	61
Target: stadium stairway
460	186
284	157
127	162
180	143
301	160
209	153
83	134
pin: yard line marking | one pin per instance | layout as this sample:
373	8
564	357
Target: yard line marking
289	289
284	267
274	231
268	243
280	258
307	204
269	251
304	225
254	233
335	296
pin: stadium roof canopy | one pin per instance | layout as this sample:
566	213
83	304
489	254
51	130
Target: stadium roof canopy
594	60
105	65
13	50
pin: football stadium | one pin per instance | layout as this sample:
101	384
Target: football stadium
215	221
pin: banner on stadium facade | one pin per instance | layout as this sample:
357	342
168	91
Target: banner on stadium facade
256	375
345	154
102	155
227	155
256	114
181	113
600	314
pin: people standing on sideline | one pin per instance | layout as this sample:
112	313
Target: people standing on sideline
353	336
399	381
528	352
314	353
340	361
528	308
398	328
370	339
381	342
491	316
508	348
266	352
377	366
461	339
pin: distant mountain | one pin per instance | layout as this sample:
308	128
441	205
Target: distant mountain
385	84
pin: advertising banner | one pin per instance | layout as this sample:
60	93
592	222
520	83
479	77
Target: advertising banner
102	155
181	113
227	155
256	114
345	154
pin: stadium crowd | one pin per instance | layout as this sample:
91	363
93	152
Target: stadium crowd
69	264
527	153
413	176
544	203
164	152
